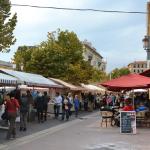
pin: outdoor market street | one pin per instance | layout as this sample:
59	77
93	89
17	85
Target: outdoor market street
84	133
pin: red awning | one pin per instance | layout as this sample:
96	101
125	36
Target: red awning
146	73
127	82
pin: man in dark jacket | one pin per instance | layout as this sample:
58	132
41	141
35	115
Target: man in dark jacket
45	106
39	106
24	109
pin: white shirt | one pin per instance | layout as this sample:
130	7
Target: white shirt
58	100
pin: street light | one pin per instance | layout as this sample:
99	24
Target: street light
146	46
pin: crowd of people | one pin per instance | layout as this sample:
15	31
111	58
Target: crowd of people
30	104
17	104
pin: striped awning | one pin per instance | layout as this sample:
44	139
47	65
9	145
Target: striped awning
7	79
31	79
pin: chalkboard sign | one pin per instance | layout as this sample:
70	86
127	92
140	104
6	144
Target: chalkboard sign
128	122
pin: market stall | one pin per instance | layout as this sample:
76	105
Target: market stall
31	79
127	83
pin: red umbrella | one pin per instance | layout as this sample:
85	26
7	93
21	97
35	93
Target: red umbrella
127	82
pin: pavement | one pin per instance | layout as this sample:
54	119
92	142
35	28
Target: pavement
84	133
33	127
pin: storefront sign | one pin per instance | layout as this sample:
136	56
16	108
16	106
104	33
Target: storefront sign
128	122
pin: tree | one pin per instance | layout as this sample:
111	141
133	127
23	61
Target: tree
58	57
119	72
7	26
98	76
61	57
23	56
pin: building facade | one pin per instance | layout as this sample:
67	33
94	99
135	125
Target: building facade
7	65
93	57
138	66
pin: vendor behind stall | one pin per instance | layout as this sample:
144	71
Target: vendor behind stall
141	107
128	105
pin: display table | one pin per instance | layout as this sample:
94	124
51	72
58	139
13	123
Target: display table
51	108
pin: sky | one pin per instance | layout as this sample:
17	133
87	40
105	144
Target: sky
117	37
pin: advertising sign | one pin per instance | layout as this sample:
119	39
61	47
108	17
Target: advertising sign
128	122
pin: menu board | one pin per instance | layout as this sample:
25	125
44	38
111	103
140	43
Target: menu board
128	122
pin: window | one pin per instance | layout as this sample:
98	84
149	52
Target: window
89	58
141	65
99	64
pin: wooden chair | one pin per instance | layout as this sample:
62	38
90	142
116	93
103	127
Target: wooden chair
107	117
141	119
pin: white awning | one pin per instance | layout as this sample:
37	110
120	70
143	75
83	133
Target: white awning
93	87
31	79
7	79
67	85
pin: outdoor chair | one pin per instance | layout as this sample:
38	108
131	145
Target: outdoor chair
143	119
106	117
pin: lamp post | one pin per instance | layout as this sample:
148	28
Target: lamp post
146	40
146	46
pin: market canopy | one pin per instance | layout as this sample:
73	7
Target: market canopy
7	79
67	85
127	82
91	87
31	79
146	73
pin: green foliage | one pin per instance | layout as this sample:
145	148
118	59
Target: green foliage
119	72
7	25
58	57
98	76
22	57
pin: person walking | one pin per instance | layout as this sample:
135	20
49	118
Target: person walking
39	106
90	101
24	109
57	103
76	105
12	106
45	106
70	103
31	103
65	108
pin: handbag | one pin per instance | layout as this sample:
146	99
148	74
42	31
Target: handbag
4	115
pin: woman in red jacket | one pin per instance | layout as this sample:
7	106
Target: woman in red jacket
12	106
128	106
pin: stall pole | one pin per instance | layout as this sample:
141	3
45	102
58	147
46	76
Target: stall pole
133	98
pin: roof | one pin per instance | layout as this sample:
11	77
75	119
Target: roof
67	85
93	49
137	62
146	73
6	64
128	82
7	79
31	79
